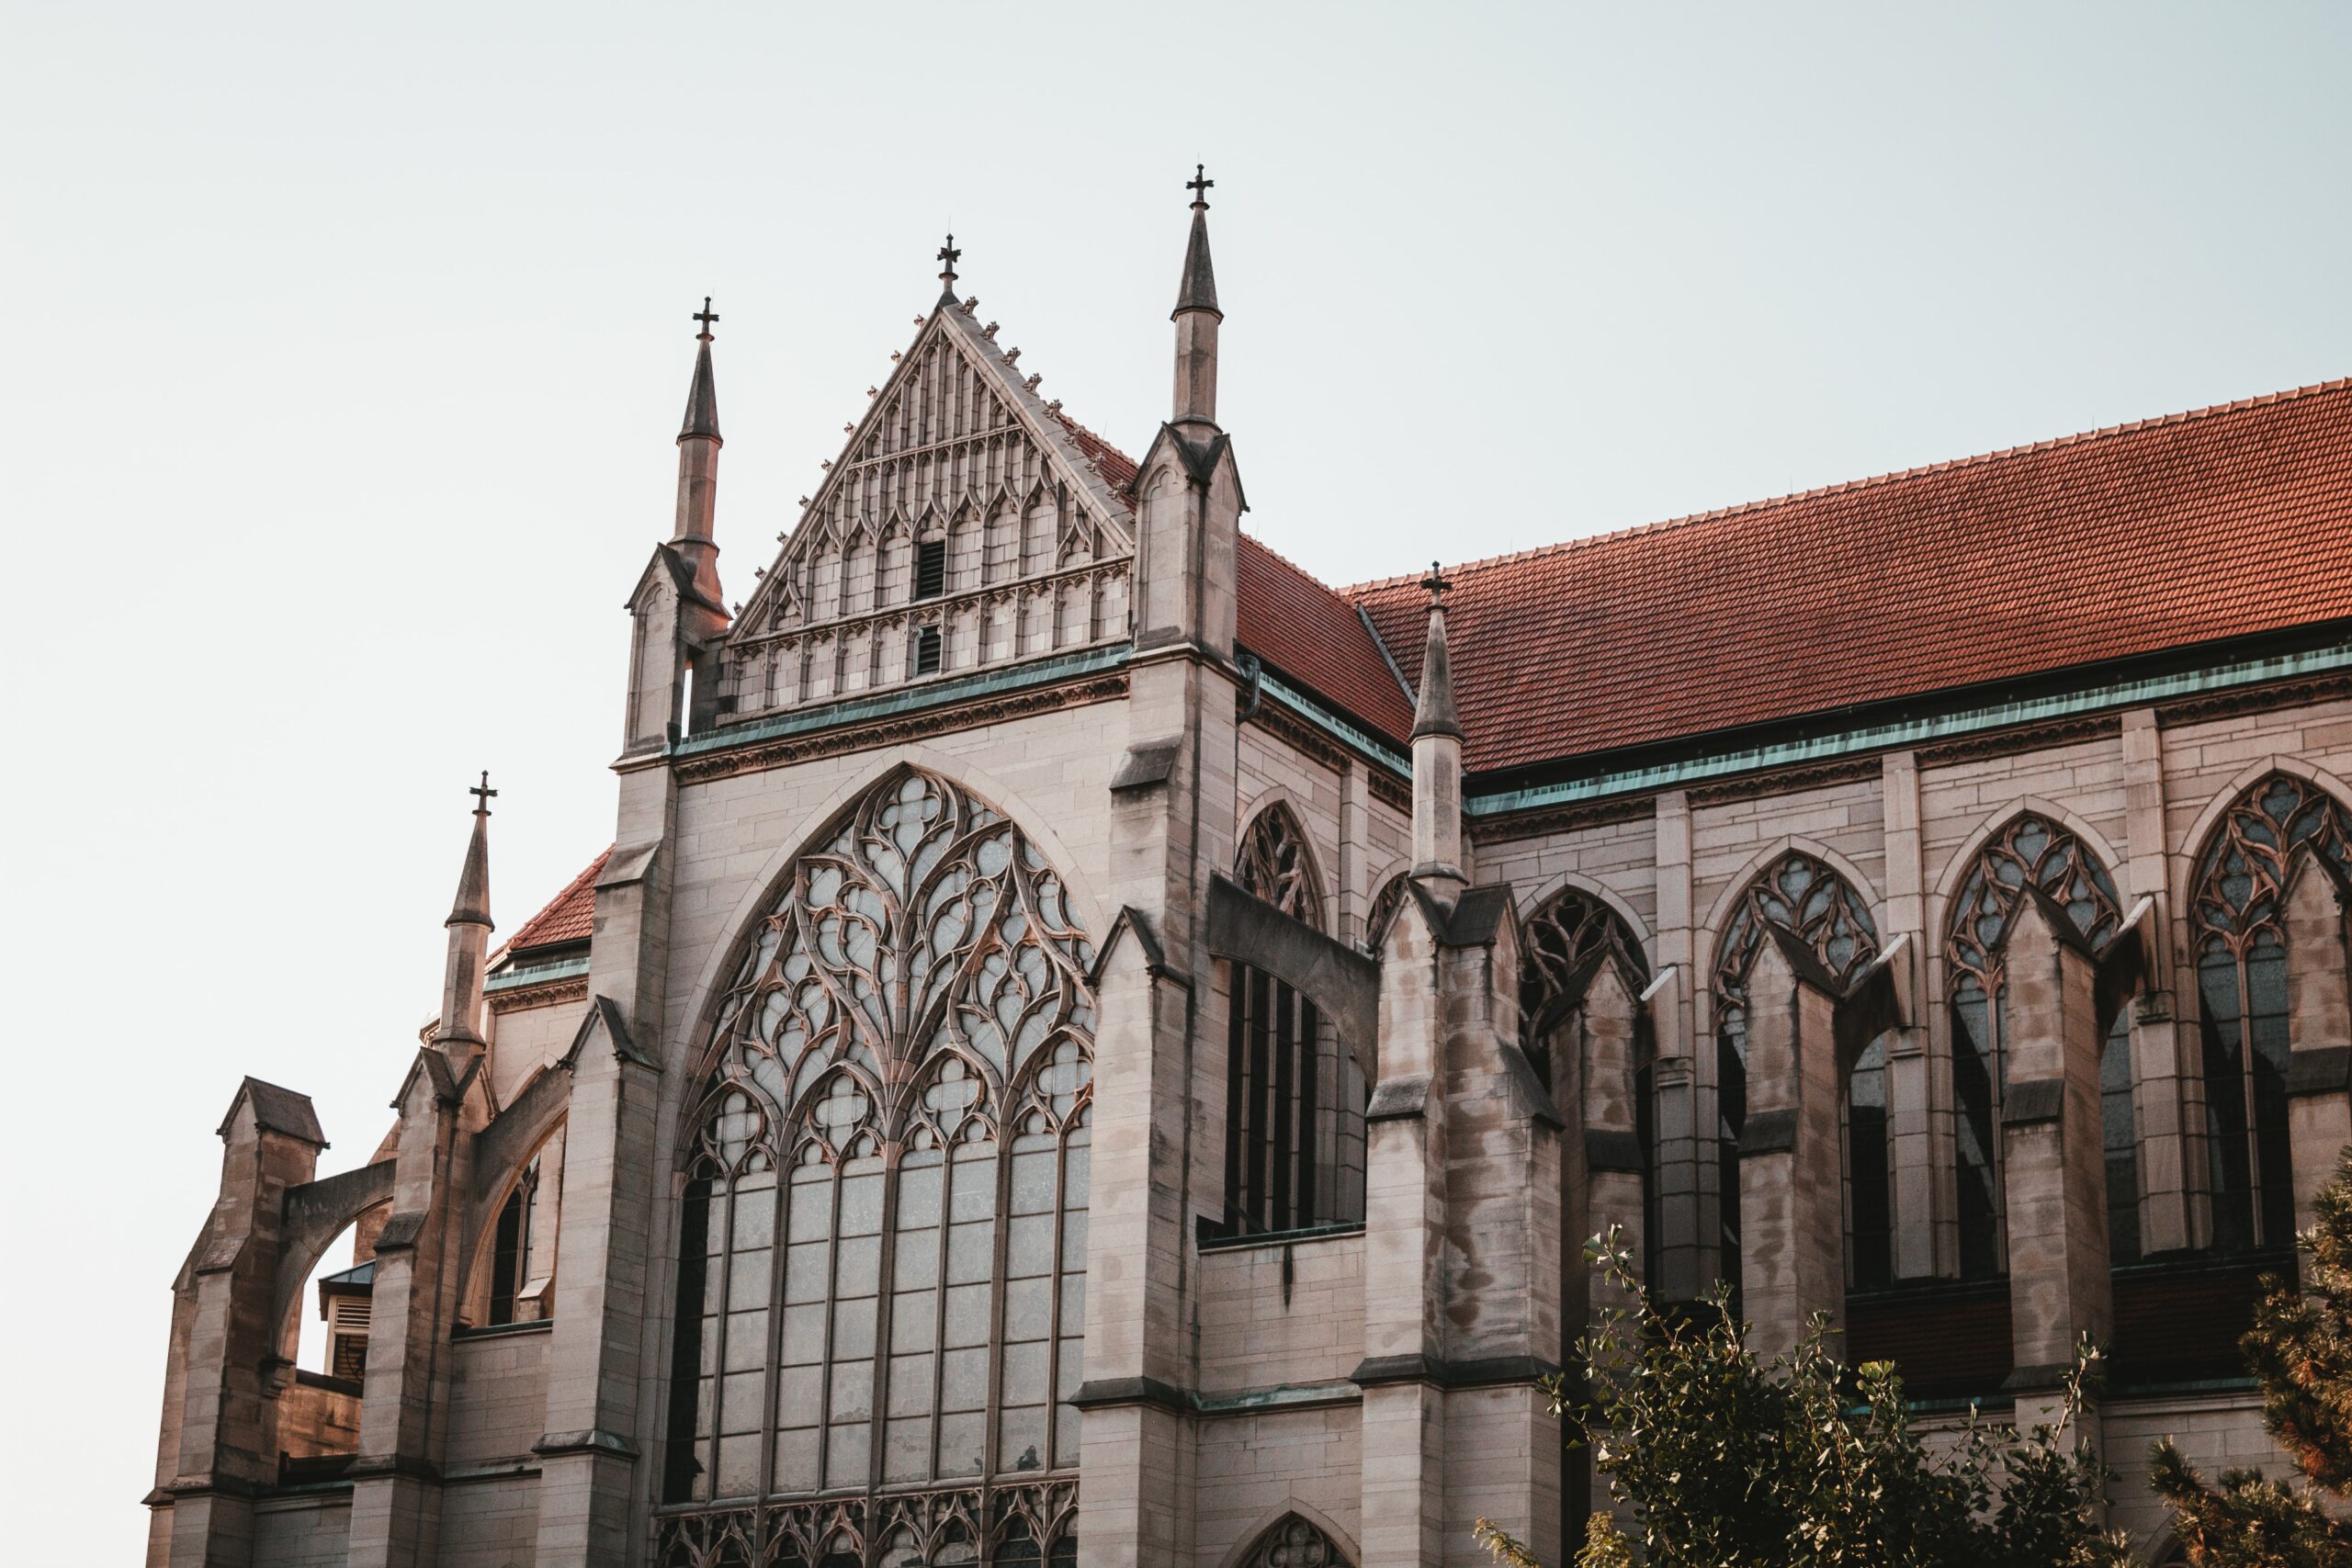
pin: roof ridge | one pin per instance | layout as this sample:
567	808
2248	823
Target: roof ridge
1260	543
1871	481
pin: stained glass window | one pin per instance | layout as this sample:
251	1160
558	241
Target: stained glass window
2237	919
883	1235
1806	898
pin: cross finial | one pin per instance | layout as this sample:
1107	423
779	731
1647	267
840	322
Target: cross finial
707	320
483	794
948	256
1437	584
1199	185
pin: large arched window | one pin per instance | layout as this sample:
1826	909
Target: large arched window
883	1237
1563	945
2030	850
2236	916
1804	897
1293	1149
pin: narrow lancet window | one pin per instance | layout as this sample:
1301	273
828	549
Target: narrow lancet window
1293	1155
2030	851
2237	917
1806	898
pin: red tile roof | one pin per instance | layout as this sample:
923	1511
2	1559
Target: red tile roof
2213	524
1314	636
571	915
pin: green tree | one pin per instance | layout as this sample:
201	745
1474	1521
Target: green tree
2300	1346
1724	1461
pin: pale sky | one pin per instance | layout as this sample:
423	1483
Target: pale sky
342	350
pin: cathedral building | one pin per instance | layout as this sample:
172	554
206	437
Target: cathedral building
1089	1045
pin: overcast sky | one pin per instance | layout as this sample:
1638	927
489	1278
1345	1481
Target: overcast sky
342	349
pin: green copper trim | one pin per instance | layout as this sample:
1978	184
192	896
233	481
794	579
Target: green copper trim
1323	718
911	699
1896	733
536	974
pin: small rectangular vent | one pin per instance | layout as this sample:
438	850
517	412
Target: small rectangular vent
931	568
926	651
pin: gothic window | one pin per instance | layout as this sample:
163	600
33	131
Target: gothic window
510	1258
2030	850
1804	897
1292	1543
1294	1150
1562	946
931	568
2237	920
883	1237
1275	864
925	652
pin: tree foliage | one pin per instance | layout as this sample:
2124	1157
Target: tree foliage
1724	1460
2300	1346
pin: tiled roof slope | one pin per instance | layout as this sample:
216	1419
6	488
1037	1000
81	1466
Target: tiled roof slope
2213	524
1314	636
571	915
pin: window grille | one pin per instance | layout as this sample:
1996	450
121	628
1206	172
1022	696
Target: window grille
931	568
926	659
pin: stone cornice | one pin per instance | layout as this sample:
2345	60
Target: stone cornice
914	725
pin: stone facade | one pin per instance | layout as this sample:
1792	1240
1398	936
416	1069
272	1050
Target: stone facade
878	1176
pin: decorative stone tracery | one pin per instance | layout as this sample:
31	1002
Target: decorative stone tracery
2031	850
883	1238
2239	918
1292	1543
1805	898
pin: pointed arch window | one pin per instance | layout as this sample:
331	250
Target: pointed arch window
883	1235
1295	1092
1563	946
2237	920
2031	850
1804	896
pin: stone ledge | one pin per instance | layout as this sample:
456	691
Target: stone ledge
1489	1371
594	1440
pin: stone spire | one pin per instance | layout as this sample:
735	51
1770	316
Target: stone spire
698	445
1437	754
1196	317
469	928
